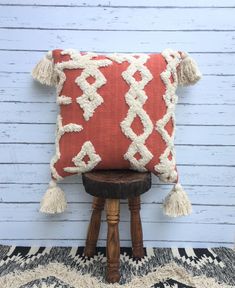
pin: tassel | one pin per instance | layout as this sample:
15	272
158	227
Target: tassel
44	71
187	71
177	202
53	200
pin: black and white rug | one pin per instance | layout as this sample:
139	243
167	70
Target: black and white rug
66	267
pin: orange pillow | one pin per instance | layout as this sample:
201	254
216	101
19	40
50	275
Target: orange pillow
117	111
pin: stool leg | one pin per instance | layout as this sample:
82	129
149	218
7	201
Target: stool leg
94	226
136	227
113	244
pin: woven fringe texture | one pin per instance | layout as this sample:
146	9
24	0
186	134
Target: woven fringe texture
66	267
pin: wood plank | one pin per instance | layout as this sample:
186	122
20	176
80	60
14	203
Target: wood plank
100	18
75	193
135	41
169	231
24	61
124	243
42	153
20	87
124	3
190	135
189	175
149	213
17	87
185	114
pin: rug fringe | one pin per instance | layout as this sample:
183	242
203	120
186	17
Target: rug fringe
77	280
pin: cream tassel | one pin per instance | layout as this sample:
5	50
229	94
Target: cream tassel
177	202
53	200
187	71
44	71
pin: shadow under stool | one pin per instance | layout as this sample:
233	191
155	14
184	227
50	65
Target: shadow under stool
108	187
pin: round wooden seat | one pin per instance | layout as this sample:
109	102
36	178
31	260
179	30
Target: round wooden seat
116	184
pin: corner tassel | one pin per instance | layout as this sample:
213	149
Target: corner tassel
53	200
177	202
187	71
44	71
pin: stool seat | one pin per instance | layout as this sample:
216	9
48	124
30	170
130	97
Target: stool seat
116	184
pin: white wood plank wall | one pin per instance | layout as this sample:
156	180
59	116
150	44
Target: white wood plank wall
205	116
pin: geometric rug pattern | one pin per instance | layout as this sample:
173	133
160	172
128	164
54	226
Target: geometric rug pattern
66	267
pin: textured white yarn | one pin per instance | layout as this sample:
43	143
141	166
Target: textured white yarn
63	100
54	200
177	202
135	98
60	130
90	99
44	71
166	167
81	166
78	280
188	72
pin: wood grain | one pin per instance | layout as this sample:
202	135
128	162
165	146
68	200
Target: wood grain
113	244
121	3
77	230
116	184
136	228
123	243
135	41
94	227
151	212
24	61
31	193
110	18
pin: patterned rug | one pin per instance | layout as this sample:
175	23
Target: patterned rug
66	267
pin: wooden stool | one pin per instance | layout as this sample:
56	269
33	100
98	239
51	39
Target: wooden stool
108	187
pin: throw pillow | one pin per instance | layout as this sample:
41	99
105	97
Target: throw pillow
117	111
